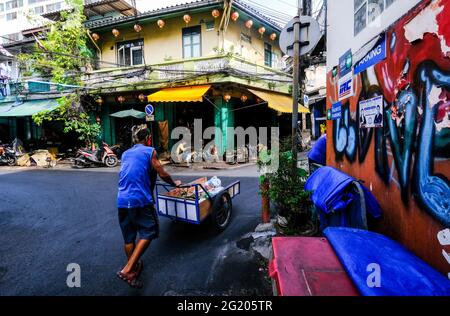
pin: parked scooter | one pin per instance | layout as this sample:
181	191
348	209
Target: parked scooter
88	158
7	155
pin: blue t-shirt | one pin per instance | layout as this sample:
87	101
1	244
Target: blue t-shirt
318	153
135	187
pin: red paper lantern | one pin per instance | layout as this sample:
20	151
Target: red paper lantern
187	18
249	24
95	36
227	97
244	98
161	23
115	32
262	30
273	36
99	101
141	97
235	16
121	99
137	28
215	13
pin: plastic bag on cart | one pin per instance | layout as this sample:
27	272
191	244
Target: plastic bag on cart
213	186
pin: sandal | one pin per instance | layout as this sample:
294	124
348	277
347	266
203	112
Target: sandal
131	279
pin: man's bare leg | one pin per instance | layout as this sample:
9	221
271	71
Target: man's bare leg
129	248
139	250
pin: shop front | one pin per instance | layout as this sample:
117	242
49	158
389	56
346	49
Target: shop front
221	106
16	122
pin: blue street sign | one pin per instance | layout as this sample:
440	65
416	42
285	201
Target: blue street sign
345	63
377	54
336	111
149	109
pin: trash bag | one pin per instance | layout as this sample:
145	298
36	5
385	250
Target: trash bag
24	161
42	158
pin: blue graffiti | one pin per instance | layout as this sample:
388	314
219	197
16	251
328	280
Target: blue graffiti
345	136
414	142
403	137
431	190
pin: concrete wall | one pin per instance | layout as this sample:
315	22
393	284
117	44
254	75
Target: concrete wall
341	26
165	44
405	163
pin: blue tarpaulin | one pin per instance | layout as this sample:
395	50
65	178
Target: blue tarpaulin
318	153
379	266
340	199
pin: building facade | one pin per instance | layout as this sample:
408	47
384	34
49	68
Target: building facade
231	51
14	16
21	96
388	75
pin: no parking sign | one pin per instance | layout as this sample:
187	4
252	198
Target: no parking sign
149	109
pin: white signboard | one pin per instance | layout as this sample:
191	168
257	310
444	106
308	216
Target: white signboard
346	86
371	113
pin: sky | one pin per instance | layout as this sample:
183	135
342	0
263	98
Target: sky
280	10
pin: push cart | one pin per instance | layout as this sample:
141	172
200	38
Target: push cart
198	207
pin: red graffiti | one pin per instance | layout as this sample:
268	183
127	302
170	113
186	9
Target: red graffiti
403	57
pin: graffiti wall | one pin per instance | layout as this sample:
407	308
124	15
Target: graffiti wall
405	160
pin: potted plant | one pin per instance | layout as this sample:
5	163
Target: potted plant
287	192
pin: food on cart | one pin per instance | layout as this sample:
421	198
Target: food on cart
212	186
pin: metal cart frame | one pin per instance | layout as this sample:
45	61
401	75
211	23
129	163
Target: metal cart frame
188	210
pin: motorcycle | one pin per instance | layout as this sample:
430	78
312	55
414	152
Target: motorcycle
88	158
7	155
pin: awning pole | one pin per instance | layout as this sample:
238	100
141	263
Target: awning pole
249	106
211	103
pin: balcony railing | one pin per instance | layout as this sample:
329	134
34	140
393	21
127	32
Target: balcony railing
213	69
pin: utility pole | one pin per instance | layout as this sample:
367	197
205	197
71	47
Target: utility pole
296	86
307	10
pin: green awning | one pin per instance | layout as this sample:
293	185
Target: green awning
129	113
29	108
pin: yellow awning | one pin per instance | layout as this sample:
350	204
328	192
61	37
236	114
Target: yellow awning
279	102
182	94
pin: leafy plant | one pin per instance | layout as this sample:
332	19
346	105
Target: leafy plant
60	54
287	189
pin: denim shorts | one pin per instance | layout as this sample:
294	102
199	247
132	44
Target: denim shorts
139	220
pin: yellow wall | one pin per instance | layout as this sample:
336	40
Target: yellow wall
165	44
253	51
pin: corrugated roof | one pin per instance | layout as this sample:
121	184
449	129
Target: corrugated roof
183	7
99	7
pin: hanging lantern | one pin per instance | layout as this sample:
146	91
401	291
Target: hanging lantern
115	32
141	97
137	28
95	36
187	18
249	24
121	99
99	101
215	13
244	98
227	97
262	30
235	16
273	36
161	23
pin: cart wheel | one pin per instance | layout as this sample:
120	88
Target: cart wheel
222	207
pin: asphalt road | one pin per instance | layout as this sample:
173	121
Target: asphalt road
51	218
